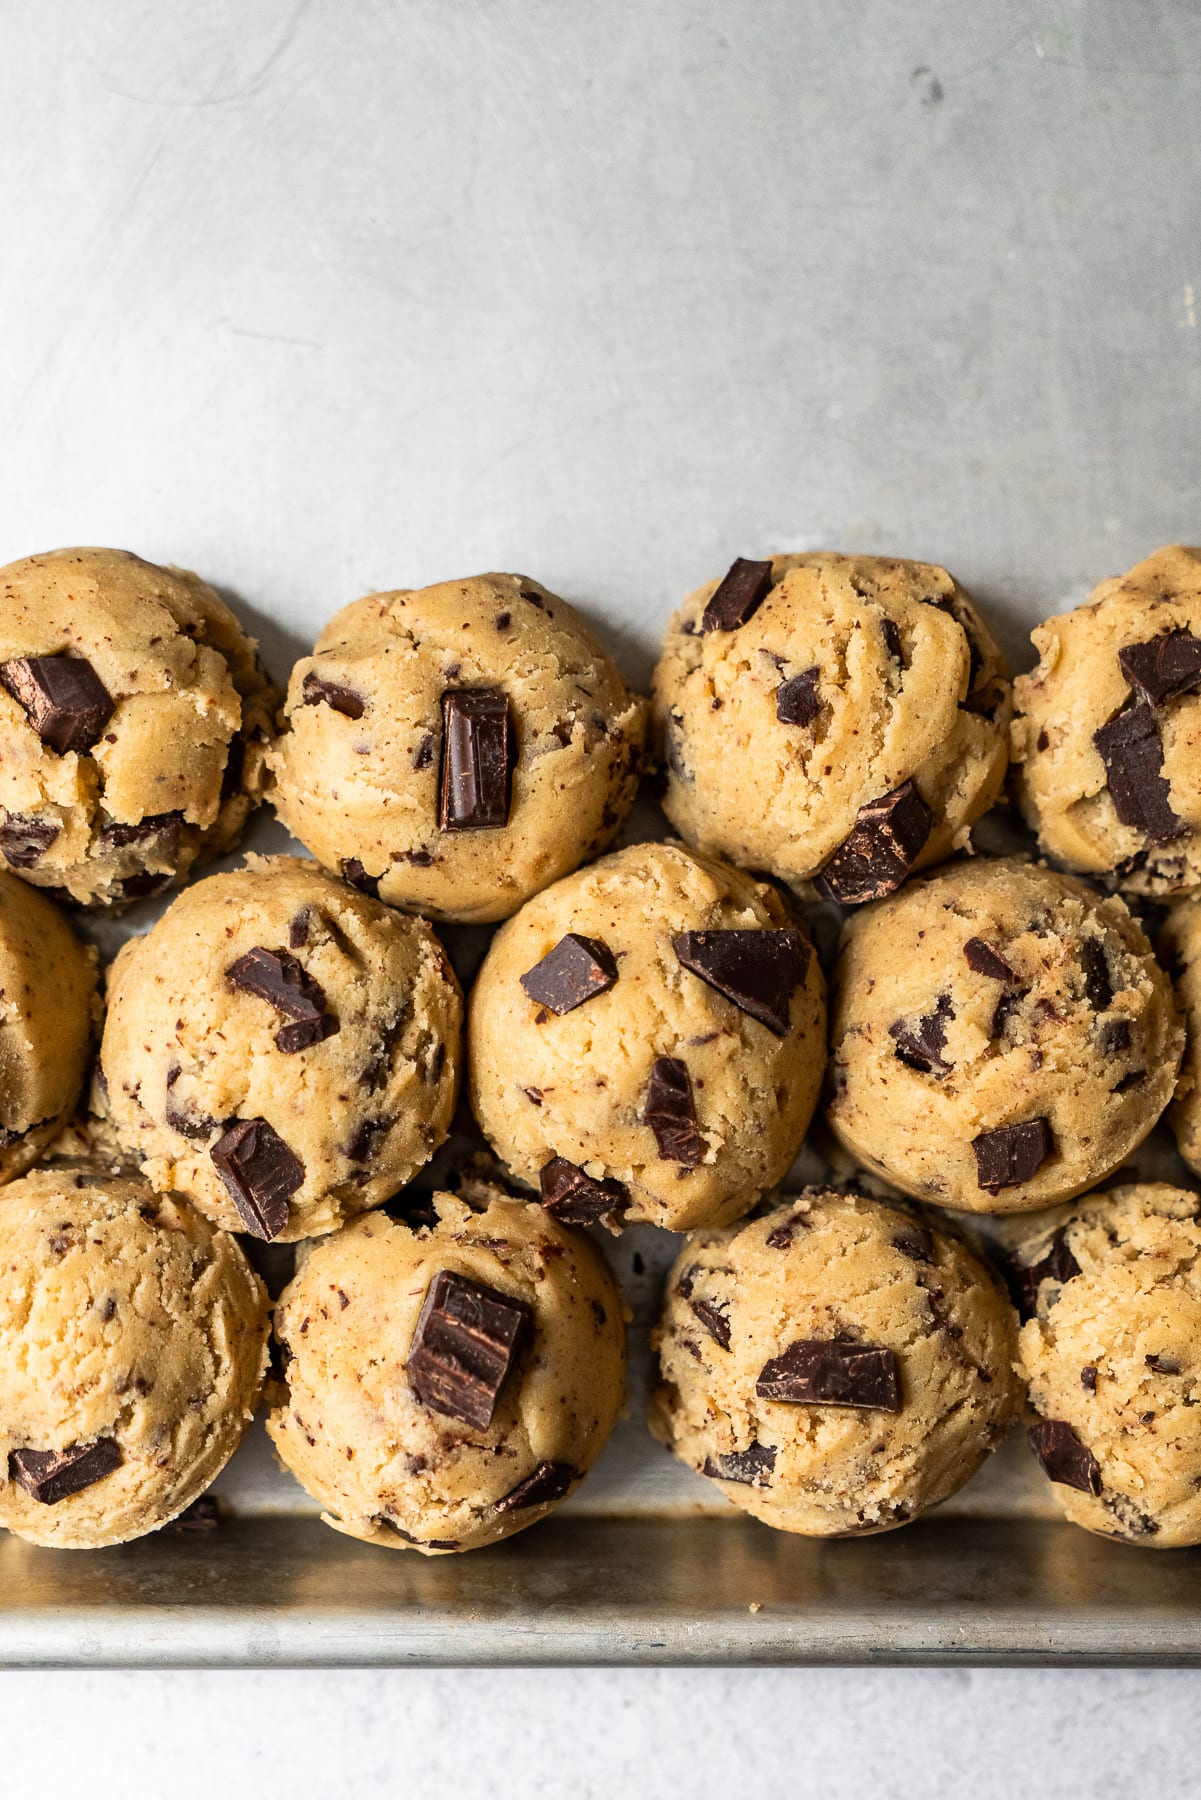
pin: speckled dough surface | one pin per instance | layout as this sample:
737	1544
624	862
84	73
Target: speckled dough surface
1129	805
359	771
124	785
133	1338
582	1085
1113	1357
836	1293
1002	1037
895	677
356	1432
190	1049
1180	949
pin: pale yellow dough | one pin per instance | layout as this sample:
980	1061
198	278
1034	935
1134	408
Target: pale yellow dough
1180	948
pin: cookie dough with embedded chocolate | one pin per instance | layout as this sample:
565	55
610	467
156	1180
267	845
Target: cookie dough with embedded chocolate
1180	950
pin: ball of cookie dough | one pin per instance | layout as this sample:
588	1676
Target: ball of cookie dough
1002	1037
48	1012
448	1383
1180	947
456	748
133	1344
835	720
134	713
282	1049
839	1366
1112	1354
647	1040
1105	738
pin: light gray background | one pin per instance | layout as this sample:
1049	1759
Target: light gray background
325	296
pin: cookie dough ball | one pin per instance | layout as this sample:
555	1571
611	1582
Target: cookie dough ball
647	1040
456	748
1108	726
1112	1355
835	720
1002	1037
448	1385
134	714
48	1011
839	1366
133	1344
282	1049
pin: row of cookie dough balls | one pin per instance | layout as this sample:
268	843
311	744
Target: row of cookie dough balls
836	721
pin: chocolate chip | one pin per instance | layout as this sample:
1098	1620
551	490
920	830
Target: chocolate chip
1088	1379
181	1118
986	961
298	929
889	835
116	834
467	1340
714	1320
1025	1279
278	978
577	969
1098	983
1162	1365
25	839
1132	751
503	620
833	1372
1012	1154
796	699
261	1174
365	1139
474	792
890	632
316	691
670	1112
758	970
1163	667
63	698
1133	1079
575	1197
548	1482
751	1466
49	1476
916	1242
1063	1457
738	595
423	756
781	1236
1006	1006
143	886
354	872
1116	1036
921	1045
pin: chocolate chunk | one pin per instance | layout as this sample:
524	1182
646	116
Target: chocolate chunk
1025	1279
49	1476
889	835
467	1340
758	970
1012	1154
423	756
796	699
276	977
1063	1457
299	928
671	1112
577	969
302	1034
1006	1006
575	1198
354	872
833	1372
261	1174
751	1466
1163	667
365	1139
986	961
1116	1037
1098	983
916	1242
548	1482
1088	1378
739	594
116	834
781	1236
921	1045
714	1320
25	839
316	691
476	759
181	1118
1132	751
890	632
143	886
1162	1365
63	697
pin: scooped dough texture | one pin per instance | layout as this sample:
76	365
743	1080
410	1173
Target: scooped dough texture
179	765
1078	687
932	705
1085	1034
122	1316
1115	1353
819	1266
576	1086
1180	946
186	1052
387	1467
362	792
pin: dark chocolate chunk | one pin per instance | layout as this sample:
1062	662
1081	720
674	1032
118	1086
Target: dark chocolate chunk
758	970
577	969
182	1118
1007	1005
302	1034
1162	1365
1025	1279
1063	1457
796	699
1163	667
354	872
467	1340
364	1140
921	1045
261	1174
1012	1154
751	1466
423	756
116	835
299	928
781	1236
278	978
63	697
548	1482
1098	983
833	1372
25	839
144	885
891	633
889	835
739	594
916	1242
476	759
574	1197
1088	1378
49	1476
670	1112
714	1320
986	961
1132	751
316	691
